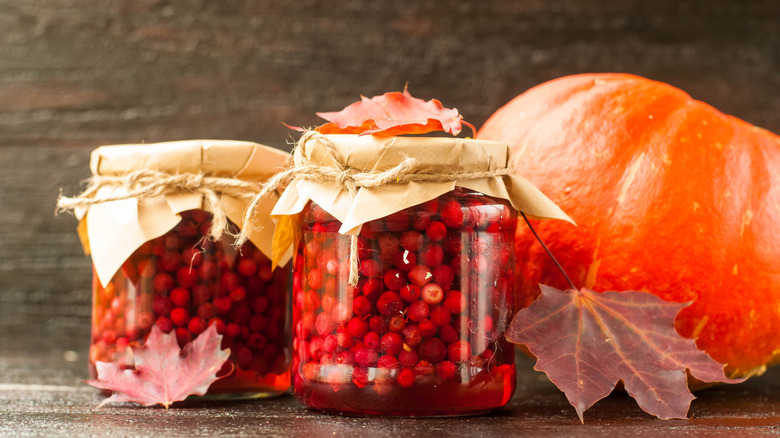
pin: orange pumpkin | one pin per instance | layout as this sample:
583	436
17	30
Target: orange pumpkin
670	197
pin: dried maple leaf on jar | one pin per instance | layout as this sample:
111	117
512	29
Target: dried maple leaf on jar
393	113
163	372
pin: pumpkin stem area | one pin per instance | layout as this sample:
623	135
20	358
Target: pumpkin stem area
549	253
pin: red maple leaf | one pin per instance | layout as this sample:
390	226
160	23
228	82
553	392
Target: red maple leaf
393	113
163	372
587	341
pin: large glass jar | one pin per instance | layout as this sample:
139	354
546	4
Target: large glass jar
422	332
184	281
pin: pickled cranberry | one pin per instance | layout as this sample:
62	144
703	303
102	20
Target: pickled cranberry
398	221
396	323
315	349
357	327
369	268
222	305
432	350
191	257
432	293
459	351
180	316
163	282
410	292
314	278
361	306
443	276
229	281
164	324
345	340
388	246
372	287
412	336
162	305
387	361
208	270
109	336
233	330
341	313
436	231
376	324
187	277
201	294
452	214
247	267
405	260
196	325
440	316
406	378
394	279
454	301
446	370
372	341
180	297
366	357
411	240
238	294
426	327
420	275
417	311
391	343
360	377
408	358
389	303
432	255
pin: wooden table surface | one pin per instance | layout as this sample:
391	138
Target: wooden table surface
75	75
48	399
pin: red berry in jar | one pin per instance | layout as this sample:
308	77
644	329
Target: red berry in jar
193	282
404	334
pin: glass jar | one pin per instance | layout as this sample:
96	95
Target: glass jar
422	332
184	281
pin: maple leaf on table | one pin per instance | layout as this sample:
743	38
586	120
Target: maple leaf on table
393	113
163	372
587	341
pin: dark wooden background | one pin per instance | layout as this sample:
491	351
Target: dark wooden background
80	73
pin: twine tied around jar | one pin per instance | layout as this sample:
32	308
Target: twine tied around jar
350	178
144	184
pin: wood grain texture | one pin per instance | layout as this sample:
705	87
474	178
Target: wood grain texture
91	72
49	400
76	74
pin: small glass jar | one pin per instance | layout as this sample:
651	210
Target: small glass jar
184	281
422	332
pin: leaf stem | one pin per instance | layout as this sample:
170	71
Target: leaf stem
549	253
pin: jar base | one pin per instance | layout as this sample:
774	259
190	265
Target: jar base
339	413
485	392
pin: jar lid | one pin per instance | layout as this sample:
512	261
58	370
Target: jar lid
424	168
112	230
240	159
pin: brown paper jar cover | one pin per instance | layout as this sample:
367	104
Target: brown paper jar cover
433	155
112	231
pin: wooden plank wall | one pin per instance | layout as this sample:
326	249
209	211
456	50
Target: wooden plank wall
76	74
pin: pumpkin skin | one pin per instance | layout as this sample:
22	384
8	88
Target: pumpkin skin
670	196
